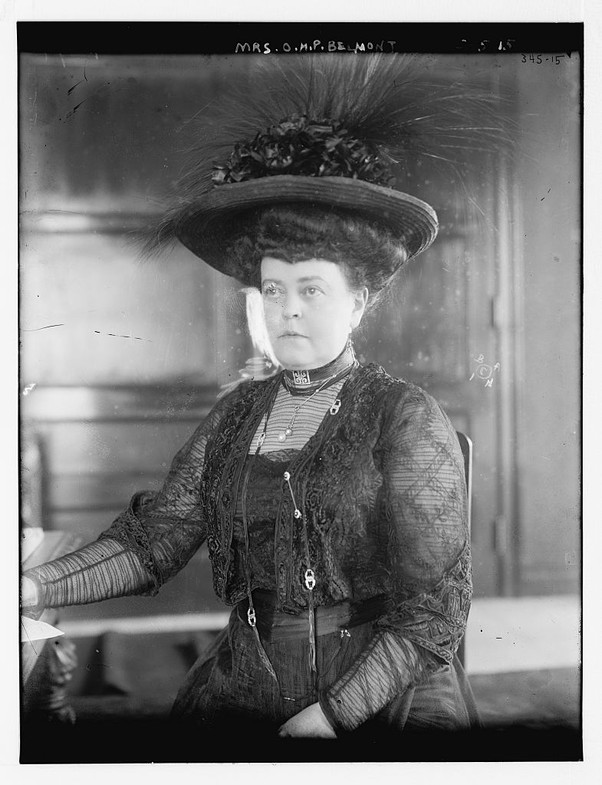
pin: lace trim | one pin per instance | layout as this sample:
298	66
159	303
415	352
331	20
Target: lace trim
436	620
129	530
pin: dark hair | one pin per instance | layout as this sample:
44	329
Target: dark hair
368	252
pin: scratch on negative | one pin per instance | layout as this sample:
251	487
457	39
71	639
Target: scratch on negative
74	110
47	327
71	89
114	335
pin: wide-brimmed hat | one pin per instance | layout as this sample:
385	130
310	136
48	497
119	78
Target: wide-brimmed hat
214	221
333	133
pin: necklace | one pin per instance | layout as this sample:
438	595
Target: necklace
339	368
288	431
305	382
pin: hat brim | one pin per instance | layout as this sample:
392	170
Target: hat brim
228	211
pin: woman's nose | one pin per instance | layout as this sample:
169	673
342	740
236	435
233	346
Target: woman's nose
292	307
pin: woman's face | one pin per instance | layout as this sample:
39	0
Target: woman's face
309	310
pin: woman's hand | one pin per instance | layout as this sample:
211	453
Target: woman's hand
29	593
309	723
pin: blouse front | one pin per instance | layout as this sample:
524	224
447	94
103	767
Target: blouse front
261	512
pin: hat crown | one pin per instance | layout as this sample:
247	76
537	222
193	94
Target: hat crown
301	145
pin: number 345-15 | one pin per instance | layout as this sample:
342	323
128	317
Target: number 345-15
539	58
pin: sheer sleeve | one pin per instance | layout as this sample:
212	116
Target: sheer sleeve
151	541
423	508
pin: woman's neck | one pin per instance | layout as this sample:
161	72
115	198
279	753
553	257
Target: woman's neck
307	381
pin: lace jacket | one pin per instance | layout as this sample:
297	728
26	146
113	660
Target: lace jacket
381	488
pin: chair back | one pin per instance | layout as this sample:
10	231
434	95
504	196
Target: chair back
466	447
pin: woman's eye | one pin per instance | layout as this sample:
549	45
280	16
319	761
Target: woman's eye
312	291
270	292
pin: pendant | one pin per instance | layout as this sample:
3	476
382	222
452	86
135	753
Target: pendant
334	409
301	378
283	435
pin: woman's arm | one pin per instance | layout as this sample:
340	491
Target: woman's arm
423	502
152	540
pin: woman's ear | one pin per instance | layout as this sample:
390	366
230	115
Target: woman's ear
360	300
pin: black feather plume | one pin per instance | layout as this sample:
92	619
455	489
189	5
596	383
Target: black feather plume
374	117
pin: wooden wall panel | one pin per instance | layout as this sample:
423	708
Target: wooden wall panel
421	328
110	133
102	447
93	313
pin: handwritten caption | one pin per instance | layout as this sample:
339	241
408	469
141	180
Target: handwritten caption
266	47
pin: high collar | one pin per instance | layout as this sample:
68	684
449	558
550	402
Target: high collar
306	382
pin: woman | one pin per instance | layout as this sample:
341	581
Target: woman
331	495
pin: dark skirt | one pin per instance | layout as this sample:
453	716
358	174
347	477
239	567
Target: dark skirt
230	687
